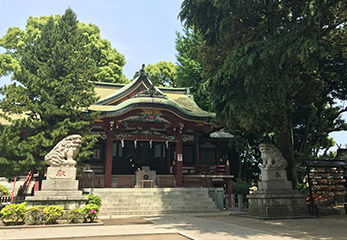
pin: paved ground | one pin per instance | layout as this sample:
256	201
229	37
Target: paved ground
224	225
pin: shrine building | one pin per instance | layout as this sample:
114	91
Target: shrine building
146	129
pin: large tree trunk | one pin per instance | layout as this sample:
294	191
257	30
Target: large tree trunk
286	146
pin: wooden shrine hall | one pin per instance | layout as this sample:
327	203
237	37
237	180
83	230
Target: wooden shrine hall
155	137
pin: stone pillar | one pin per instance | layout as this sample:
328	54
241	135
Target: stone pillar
179	164
108	164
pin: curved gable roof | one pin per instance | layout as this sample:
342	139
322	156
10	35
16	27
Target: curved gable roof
141	93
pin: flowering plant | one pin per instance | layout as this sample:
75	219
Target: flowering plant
15	213
90	211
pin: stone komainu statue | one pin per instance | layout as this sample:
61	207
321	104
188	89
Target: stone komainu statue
272	157
65	152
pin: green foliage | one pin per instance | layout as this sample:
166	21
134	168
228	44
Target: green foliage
162	74
76	215
36	215
90	212
266	62
54	91
4	190
14	213
303	188
240	186
108	61
93	199
189	70
53	213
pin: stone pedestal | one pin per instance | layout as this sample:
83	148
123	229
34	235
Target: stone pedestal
59	188
275	197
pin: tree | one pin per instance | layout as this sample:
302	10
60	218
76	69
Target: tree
272	58
189	70
52	90
162	74
16	42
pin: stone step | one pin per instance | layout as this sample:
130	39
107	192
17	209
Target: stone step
137	190
146	212
159	203
158	208
150	194
148	197
152	201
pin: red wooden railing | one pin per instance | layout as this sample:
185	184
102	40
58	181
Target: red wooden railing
27	182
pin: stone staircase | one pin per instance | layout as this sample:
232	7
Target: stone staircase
154	201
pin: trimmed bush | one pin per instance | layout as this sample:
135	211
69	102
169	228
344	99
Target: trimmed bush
4	190
90	212
240	187
36	215
53	213
76	215
14	213
92	199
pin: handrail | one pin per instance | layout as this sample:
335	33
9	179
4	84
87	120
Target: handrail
27	182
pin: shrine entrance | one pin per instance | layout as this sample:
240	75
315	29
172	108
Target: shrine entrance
134	155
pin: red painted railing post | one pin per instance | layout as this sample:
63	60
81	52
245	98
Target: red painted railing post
229	186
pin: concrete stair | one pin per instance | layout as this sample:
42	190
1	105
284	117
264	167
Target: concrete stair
154	201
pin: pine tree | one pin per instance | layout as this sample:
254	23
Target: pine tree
53	93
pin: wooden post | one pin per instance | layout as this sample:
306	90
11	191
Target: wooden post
197	148
179	164
108	165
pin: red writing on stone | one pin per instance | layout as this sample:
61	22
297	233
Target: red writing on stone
61	173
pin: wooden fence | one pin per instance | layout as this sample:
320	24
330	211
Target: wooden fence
86	181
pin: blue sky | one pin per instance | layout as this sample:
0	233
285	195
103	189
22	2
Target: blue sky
142	30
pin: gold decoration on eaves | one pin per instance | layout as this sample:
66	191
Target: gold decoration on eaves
150	111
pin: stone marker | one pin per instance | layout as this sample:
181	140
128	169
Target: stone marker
61	186
275	197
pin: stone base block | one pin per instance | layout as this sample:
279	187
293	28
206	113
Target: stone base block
275	185
57	194
277	205
59	185
67	199
65	204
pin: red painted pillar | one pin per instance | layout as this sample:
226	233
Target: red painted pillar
229	186
179	164
108	165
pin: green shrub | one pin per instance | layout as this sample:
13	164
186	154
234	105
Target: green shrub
76	215
15	213
92	199
303	188
4	190
240	187
90	211
53	213
36	215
